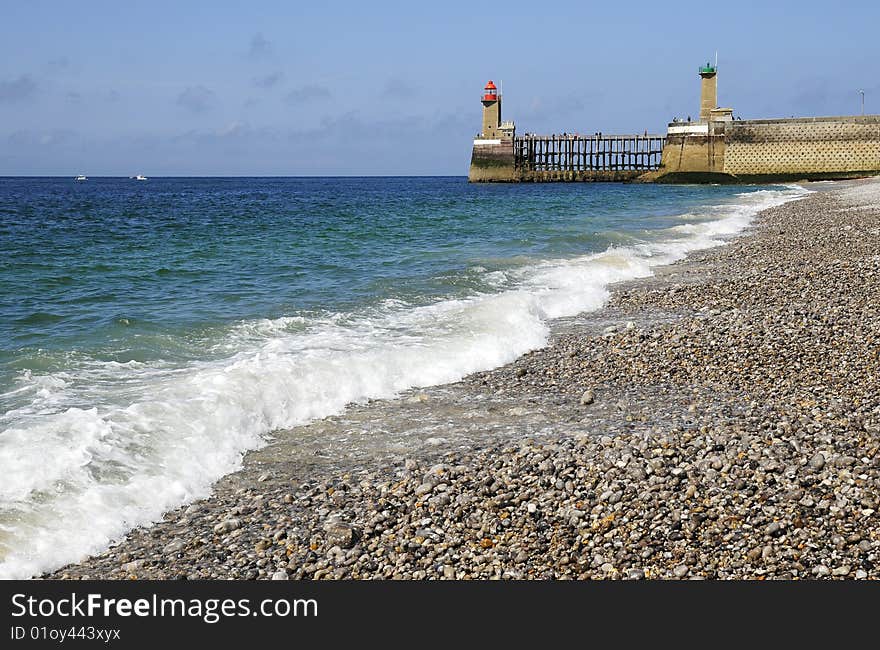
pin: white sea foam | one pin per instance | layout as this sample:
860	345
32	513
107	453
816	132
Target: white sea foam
106	447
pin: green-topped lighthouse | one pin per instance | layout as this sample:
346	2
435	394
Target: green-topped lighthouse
708	91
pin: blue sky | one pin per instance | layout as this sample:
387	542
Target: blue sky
297	88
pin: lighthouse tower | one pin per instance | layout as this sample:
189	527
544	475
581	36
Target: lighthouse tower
708	91
491	112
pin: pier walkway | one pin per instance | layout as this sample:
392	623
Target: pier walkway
591	153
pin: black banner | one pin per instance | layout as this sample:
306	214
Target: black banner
147	614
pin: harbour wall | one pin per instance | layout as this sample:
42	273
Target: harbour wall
803	147
812	148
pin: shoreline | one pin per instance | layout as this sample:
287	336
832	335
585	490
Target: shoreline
663	435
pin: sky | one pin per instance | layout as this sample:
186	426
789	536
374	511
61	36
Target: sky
392	88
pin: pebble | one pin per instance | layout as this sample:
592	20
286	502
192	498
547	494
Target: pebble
340	533
227	526
174	547
423	489
133	566
817	462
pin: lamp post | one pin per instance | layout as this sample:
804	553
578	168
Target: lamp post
862	93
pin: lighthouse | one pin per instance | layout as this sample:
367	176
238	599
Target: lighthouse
491	112
493	127
492	158
708	91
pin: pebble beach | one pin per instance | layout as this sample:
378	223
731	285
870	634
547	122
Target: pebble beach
720	420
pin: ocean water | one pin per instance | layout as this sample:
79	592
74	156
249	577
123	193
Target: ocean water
151	332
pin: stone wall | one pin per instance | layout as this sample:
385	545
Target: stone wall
492	162
803	146
691	154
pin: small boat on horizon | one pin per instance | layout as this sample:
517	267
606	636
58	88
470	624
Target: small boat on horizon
139	177
81	177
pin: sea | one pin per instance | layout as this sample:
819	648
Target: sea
152	332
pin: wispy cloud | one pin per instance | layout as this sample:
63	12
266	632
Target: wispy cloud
260	47
17	90
397	88
234	129
307	93
50	138
540	108
268	81
197	99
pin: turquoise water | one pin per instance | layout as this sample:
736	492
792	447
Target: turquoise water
151	332
120	270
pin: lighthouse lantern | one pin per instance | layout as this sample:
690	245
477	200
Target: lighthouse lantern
490	92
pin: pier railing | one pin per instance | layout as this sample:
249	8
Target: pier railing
598	152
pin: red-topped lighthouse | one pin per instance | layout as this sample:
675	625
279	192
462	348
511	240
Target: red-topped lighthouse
490	92
492	158
491	111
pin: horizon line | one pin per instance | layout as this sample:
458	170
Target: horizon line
126	177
